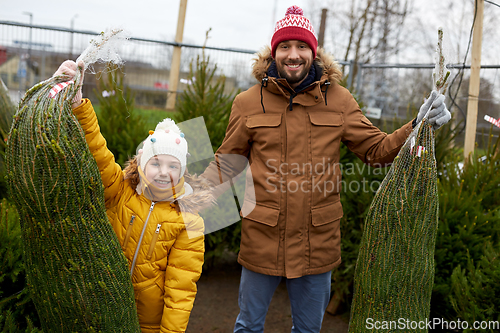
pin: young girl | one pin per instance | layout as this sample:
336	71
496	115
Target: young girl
152	205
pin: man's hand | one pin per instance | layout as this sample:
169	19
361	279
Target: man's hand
439	114
68	69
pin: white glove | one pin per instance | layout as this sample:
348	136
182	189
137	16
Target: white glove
439	114
69	69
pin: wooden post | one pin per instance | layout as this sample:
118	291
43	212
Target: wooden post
321	36
176	58
470	129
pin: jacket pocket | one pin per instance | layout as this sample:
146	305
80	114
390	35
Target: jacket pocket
262	214
264	120
149	301
260	237
326	119
265	133
326	131
326	214
324	235
153	241
129	231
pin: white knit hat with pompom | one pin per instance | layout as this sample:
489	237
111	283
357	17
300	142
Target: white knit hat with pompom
166	139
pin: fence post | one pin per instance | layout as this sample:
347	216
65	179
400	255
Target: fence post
351	74
359	78
321	35
470	129
176	58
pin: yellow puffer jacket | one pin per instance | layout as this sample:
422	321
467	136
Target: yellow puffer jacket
165	259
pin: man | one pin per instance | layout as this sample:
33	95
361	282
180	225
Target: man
290	127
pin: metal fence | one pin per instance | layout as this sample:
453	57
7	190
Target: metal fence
31	53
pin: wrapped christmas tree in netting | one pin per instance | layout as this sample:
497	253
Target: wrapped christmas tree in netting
76	271
395	268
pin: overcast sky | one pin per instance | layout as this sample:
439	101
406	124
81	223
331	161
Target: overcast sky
244	24
240	24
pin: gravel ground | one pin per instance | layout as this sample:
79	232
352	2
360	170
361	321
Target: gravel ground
216	305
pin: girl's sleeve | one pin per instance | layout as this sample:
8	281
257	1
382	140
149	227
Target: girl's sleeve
111	172
184	267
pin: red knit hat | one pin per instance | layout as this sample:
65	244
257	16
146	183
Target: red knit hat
294	26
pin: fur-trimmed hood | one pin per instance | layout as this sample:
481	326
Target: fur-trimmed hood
331	68
199	198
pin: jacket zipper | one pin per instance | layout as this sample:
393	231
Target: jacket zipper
140	238
129	231
153	242
285	196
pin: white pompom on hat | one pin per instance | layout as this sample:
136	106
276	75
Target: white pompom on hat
166	139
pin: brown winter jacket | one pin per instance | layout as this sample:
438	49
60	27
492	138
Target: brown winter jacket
293	152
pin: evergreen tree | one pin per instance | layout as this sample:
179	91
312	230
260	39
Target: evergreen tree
17	311
475	291
121	127
206	97
469	217
75	267
394	274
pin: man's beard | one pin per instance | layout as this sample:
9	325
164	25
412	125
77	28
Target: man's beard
292	79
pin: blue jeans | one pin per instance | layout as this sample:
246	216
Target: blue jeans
309	296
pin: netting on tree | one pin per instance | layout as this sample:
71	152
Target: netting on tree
76	271
395	268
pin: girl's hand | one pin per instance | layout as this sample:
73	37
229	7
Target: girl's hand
68	69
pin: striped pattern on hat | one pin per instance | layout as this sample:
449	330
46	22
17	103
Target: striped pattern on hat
294	26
